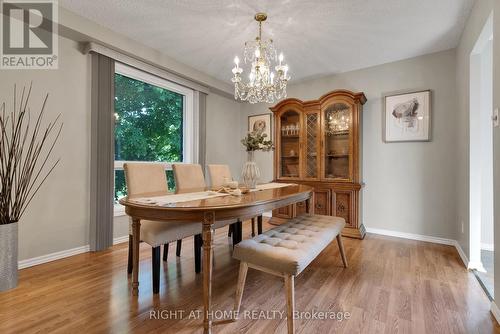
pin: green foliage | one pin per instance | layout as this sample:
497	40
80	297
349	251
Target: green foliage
149	125
256	141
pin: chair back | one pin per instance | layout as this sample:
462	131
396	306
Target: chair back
145	178
219	174
188	177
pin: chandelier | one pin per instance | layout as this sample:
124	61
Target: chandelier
264	85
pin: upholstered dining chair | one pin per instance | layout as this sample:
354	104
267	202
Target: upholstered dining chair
150	179
190	178
219	175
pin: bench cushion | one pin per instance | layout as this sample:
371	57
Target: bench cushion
289	248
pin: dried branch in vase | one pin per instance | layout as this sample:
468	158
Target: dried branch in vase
25	150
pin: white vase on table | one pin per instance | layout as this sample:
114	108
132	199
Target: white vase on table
250	173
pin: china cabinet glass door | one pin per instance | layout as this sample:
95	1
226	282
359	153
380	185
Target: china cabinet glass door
312	128
337	141
290	144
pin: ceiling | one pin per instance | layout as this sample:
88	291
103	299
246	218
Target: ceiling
317	37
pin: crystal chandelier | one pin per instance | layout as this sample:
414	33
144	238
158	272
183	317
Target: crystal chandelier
264	85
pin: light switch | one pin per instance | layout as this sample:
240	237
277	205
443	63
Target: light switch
495	118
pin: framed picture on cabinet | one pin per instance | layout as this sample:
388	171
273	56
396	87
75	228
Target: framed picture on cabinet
407	117
261	123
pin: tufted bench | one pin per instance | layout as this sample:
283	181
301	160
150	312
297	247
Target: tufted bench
286	251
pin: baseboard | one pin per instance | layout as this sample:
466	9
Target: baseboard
120	240
411	236
420	237
495	311
488	247
62	254
52	257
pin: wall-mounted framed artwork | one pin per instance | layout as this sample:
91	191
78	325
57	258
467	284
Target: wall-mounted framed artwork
407	117
261	123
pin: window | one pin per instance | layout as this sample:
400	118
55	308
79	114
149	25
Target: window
154	122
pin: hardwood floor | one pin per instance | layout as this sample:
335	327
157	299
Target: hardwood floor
391	286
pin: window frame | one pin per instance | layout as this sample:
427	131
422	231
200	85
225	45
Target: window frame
189	119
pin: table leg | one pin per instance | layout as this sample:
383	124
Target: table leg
208	238
136	239
259	224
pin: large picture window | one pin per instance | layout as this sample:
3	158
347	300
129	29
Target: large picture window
153	123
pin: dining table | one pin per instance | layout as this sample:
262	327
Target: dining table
207	207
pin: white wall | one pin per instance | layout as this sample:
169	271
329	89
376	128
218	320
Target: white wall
486	145
480	13
410	187
223	133
496	142
477	19
58	218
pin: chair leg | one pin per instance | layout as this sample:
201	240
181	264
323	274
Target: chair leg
239	227
178	249
235	235
342	251
165	252
237	232
290	302
240	287
253	227
259	224
197	252
130	264
155	262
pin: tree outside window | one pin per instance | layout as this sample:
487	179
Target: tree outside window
149	126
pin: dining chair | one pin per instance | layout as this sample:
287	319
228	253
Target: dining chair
219	175
150	179
190	178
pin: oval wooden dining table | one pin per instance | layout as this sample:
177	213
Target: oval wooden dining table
207	212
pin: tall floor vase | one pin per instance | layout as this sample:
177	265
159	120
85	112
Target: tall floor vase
8	256
250	173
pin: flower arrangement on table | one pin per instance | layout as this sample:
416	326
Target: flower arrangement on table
257	141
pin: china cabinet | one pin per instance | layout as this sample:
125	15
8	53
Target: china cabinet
318	143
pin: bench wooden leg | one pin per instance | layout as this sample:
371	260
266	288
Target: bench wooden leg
240	286
290	302
253	227
342	251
